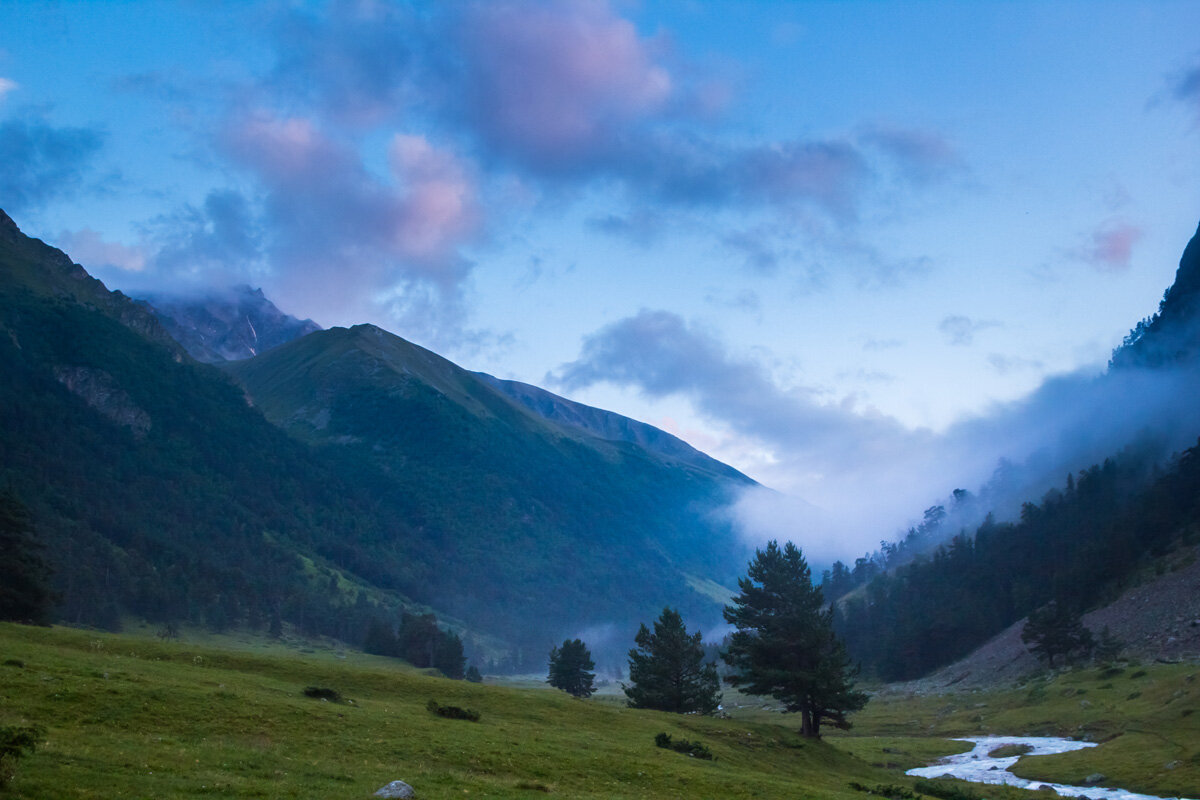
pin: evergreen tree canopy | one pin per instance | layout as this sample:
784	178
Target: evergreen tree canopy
784	645
24	588
569	667
1056	630
420	642
667	670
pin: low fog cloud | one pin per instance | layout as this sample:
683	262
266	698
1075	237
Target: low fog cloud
842	477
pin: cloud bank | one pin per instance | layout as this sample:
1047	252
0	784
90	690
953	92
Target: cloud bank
849	477
376	151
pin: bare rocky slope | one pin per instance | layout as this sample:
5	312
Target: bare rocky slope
1158	619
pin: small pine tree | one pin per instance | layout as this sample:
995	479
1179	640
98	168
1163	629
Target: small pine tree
1108	647
667	670
1056	630
569	667
473	675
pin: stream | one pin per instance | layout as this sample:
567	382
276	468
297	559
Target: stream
975	765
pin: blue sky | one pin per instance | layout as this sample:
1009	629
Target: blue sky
828	243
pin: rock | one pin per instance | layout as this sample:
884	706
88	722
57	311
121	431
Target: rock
1172	764
1094	778
396	789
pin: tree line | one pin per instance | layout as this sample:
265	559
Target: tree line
1076	548
783	646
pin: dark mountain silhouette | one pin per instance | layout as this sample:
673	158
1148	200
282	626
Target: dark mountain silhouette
1172	336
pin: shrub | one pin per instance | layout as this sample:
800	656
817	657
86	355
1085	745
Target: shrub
16	741
691	749
323	693
945	790
452	712
889	791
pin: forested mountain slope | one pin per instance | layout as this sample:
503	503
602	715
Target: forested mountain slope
1078	545
154	487
531	519
159	490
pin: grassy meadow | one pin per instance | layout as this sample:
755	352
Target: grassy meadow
128	716
133	716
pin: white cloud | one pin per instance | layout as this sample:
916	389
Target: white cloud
89	248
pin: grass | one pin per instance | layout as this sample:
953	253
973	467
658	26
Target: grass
129	716
132	716
1145	718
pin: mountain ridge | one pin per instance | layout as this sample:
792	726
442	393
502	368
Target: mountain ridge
563	515
227	325
161	489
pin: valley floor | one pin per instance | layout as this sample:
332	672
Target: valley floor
129	716
125	716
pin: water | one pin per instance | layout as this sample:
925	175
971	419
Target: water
975	765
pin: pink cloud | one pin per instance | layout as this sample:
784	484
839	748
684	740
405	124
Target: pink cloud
336	230
439	208
285	151
554	82
1110	247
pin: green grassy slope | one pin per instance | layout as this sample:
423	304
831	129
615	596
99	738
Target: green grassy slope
133	717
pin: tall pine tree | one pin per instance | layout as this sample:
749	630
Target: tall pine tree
784	645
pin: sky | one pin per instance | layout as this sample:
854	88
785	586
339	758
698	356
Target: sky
861	251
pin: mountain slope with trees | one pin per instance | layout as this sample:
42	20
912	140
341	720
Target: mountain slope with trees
158	490
532	521
1077	547
154	488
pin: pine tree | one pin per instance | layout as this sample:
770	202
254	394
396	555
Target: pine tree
569	667
784	645
1056	630
24	578
667	670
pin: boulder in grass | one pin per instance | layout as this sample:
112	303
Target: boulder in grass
396	789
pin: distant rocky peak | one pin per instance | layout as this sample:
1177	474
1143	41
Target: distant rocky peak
227	324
